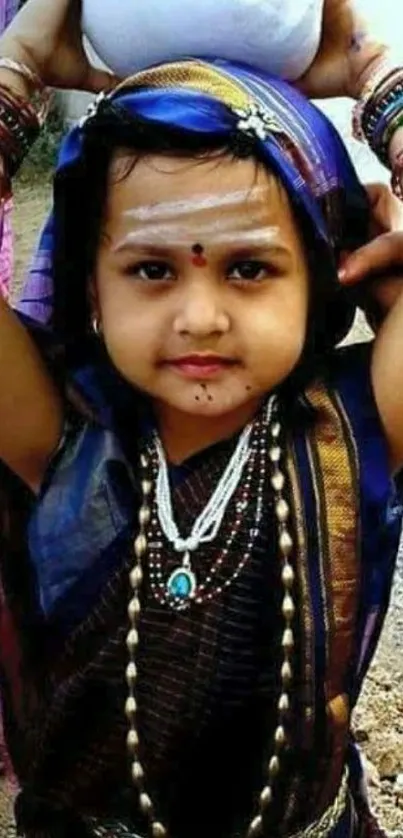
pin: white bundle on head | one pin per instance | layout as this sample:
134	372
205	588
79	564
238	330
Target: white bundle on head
279	36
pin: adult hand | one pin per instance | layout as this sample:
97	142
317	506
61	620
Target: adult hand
46	35
348	53
380	262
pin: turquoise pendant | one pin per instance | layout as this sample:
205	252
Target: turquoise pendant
182	584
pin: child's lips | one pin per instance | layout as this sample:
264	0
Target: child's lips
201	366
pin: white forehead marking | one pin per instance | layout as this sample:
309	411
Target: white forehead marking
264	235
197	204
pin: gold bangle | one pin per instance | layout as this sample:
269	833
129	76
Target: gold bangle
22	70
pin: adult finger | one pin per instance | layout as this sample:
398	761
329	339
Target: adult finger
98	80
379	256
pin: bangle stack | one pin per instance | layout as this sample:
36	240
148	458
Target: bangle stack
20	119
379	113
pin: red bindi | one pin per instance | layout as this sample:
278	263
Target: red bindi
198	257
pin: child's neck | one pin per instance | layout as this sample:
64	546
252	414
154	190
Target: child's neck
183	434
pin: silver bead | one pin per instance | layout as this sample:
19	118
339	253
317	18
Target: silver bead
287	641
275	430
144	461
288	607
286	673
274	767
266	797
256	827
287	576
132	640
279	736
144	515
132	741
146	487
282	511
285	543
140	546
158	830
275	454
130	707
284	703
131	674
136	577
145	802
134	609
137	772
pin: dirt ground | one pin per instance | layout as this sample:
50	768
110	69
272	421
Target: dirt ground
31	204
379	716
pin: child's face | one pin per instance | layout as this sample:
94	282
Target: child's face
201	283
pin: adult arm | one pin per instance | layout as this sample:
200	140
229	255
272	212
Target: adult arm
46	37
380	265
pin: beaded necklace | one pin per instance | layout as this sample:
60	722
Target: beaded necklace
247	465
285	544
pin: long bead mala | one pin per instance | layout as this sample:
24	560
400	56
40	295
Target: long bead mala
285	544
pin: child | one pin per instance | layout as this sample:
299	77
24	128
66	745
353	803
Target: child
194	243
199	523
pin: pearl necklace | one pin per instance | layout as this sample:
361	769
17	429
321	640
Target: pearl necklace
182	586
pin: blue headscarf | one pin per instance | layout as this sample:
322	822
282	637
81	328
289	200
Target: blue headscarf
291	135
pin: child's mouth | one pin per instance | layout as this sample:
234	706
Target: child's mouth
201	366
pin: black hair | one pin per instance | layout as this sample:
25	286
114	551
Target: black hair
80	191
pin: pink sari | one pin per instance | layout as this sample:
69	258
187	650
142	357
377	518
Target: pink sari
8	9
6	251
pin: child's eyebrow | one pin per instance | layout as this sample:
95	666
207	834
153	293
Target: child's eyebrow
168	238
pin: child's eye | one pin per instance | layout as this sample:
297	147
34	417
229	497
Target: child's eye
250	269
150	271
